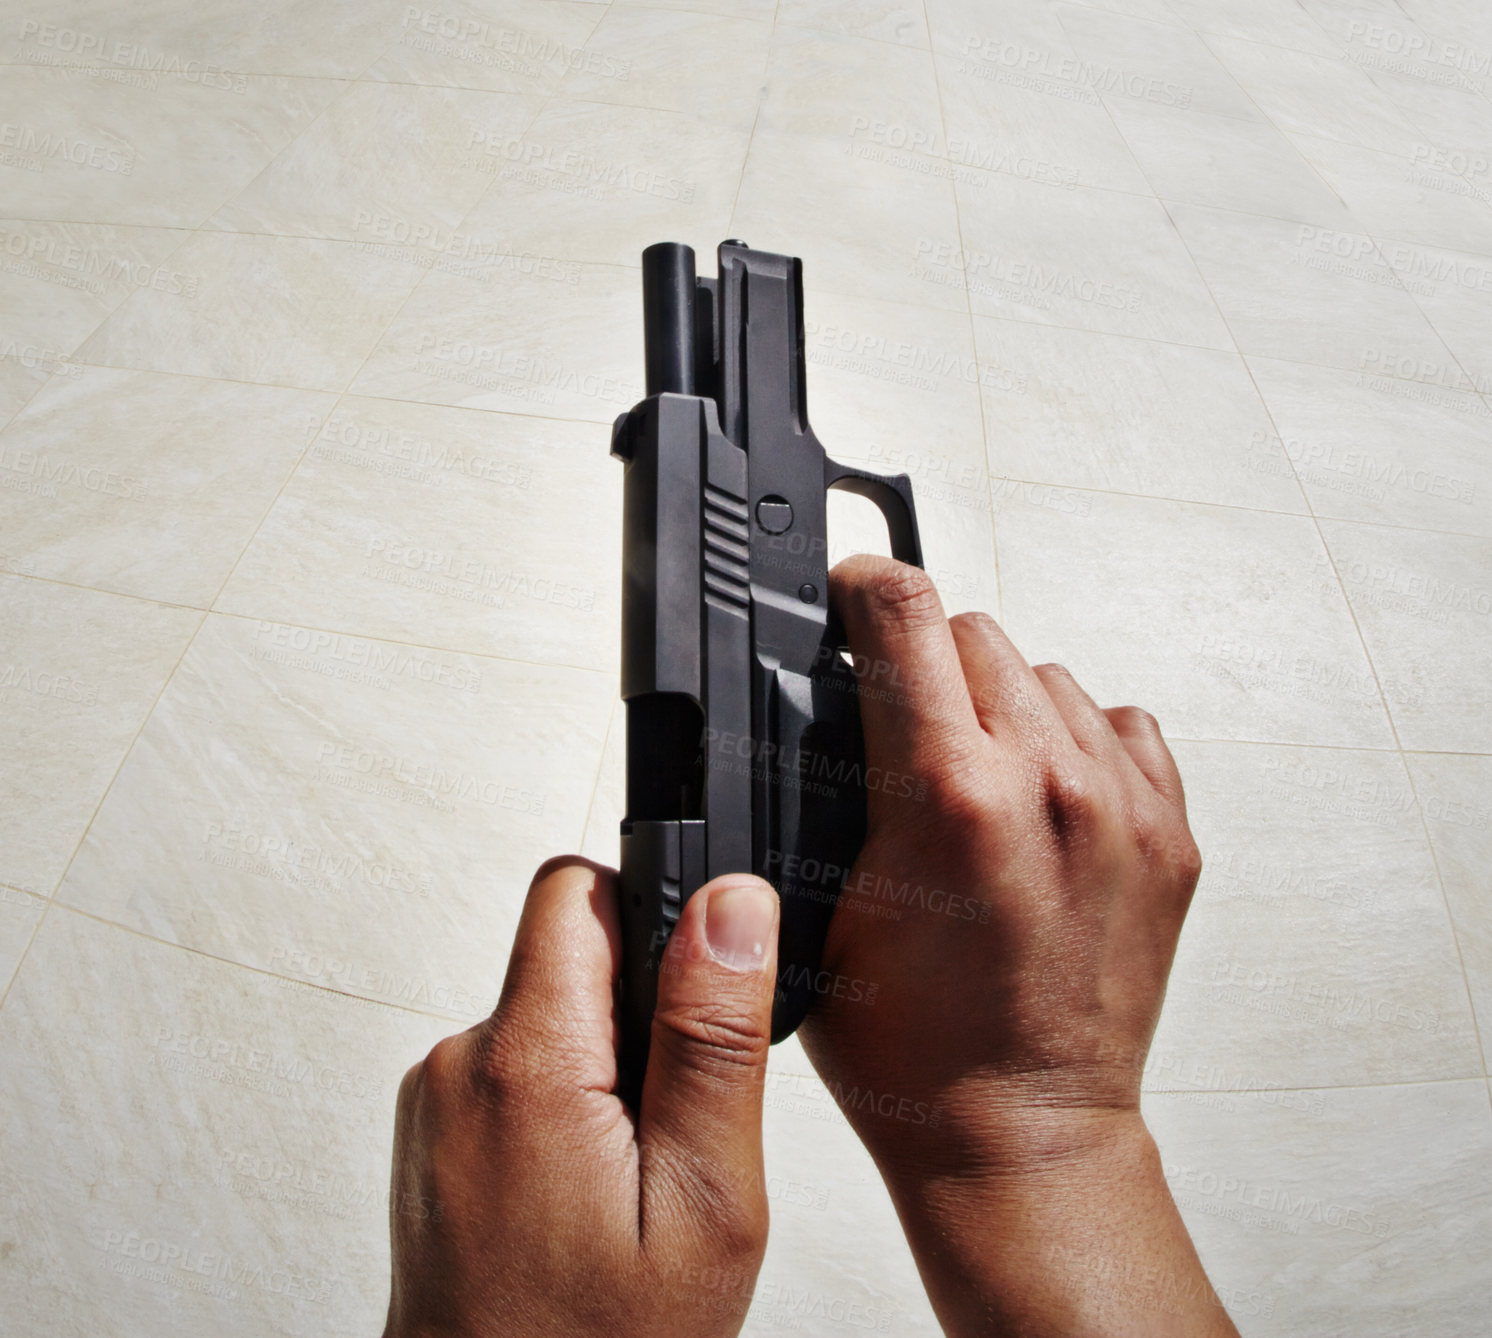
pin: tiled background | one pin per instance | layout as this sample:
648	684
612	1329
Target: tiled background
312	317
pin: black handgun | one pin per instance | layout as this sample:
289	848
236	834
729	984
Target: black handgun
744	750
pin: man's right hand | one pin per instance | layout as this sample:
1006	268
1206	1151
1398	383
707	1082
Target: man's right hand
1017	916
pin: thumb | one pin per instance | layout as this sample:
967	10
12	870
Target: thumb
700	1122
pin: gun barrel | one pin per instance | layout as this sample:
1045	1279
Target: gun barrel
668	318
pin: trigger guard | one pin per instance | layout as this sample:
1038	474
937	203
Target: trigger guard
892	496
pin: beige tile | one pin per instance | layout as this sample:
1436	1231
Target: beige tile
78	673
208	1154
1083	259
594	182
58	281
146	484
1081	410
1455	796
707	65
1306	292
1397	200
330	39
340	180
862	94
1006	118
92	35
1227	162
1355	1216
488	533
1237	632
882	20
20	913
559	339
830	1212
358	814
1135	60
1466	19
1451	288
744	9
897	389
1423	602
165	154
1310	94
214	43
1318	951
870	220
1380	449
510	46
285	310
894	389
603	820
1275	22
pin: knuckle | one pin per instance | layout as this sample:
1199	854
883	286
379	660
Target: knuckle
410	1086
499	1064
976	621
1168	847
1073	803
740	1232
904	594
444	1068
1138	719
712	1035
1188	859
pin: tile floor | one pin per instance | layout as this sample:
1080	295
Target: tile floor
312	316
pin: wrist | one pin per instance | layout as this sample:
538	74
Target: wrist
1058	1222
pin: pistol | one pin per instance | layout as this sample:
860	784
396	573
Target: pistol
744	748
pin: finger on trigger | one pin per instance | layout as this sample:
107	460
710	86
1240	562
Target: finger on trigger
914	702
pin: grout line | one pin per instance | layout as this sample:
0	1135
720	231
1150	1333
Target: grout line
756	118
1367	655
65	908
373	346
984	432
1272	1090
124	756
590	803
1450	914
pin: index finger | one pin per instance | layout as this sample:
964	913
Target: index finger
914	701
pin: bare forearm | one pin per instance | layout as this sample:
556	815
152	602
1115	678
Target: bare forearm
1063	1243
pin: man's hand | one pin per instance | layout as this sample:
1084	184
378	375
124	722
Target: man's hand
527	1200
1018	918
